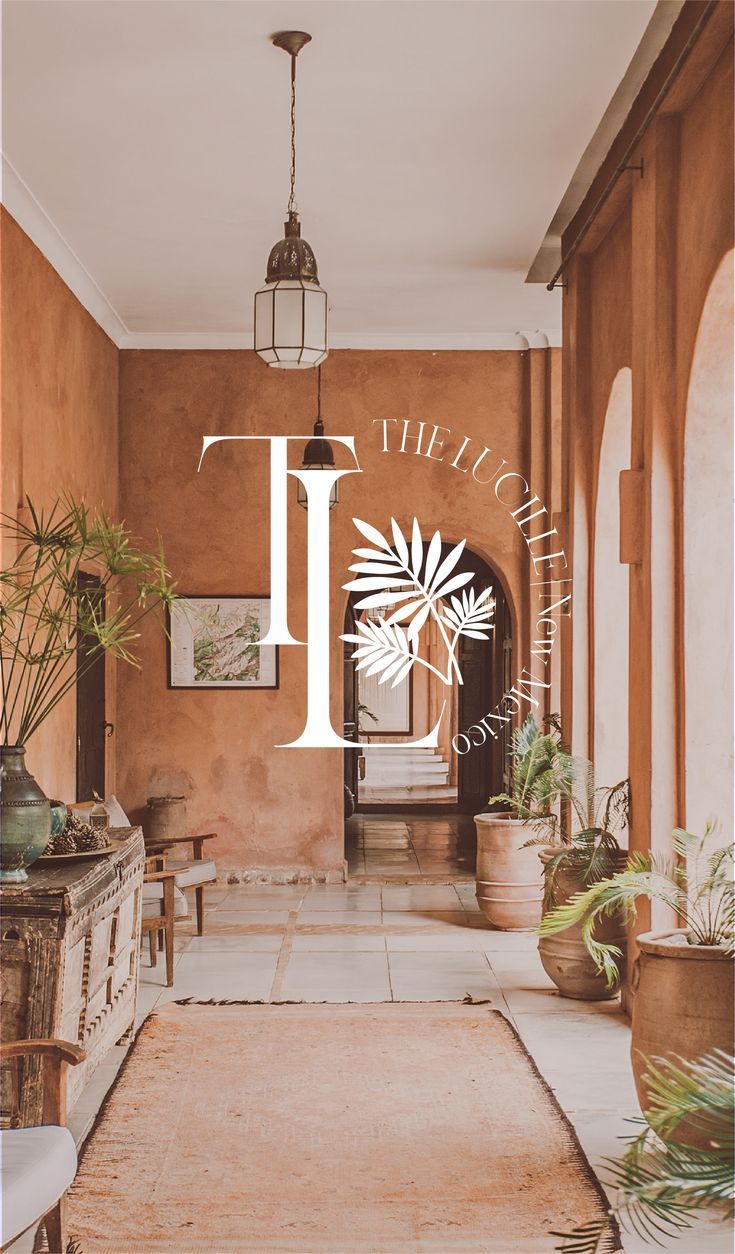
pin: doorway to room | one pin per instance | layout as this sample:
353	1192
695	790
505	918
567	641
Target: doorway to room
92	726
409	810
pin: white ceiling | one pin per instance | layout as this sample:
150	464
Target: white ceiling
147	143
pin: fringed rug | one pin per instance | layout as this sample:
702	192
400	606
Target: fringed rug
330	1128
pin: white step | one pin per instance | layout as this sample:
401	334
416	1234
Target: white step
384	767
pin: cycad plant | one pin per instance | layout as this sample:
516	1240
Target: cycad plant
664	1183
45	611
539	766
586	829
696	883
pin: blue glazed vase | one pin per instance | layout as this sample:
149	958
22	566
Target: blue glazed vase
25	816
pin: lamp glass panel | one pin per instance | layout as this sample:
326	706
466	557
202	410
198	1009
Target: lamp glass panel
288	338
315	322
264	320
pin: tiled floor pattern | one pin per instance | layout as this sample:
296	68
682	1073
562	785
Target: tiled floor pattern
362	942
410	847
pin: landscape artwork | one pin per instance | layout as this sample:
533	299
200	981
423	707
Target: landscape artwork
215	643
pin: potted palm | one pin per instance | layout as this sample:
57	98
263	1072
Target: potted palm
509	884
683	977
663	1181
581	849
46	613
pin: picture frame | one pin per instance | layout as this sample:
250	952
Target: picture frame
214	643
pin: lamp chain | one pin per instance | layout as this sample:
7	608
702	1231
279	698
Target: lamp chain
292	197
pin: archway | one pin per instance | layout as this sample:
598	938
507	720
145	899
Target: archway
610	592
429	786
708	563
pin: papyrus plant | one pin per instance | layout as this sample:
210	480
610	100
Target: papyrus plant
52	628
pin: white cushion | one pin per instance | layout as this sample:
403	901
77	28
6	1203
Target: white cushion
201	871
118	817
153	896
39	1164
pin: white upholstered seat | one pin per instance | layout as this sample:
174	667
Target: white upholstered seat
38	1165
201	871
153	895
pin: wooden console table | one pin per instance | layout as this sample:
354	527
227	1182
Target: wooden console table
69	947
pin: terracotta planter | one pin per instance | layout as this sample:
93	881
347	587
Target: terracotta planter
564	955
509	884
682	1003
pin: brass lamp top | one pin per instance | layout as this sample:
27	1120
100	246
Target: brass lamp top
292	257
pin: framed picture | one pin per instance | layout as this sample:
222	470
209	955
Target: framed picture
214	642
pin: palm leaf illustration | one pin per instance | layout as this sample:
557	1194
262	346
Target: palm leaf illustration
470	615
383	650
410	580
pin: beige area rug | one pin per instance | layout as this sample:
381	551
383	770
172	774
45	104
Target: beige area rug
340	1128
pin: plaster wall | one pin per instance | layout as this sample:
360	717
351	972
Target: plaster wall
58	434
636	290
276	807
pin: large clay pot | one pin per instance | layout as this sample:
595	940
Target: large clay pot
25	816
564	955
682	1003
166	818
509	883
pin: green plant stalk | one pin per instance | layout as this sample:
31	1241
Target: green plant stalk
51	630
43	631
77	674
22	625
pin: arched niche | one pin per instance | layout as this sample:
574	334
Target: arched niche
708	563
610	591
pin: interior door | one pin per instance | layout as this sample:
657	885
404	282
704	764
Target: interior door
475	657
486	671
91	722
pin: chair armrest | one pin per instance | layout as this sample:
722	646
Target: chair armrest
197	843
61	1051
167	843
55	1057
151	877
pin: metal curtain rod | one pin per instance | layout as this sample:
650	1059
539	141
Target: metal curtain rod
704	17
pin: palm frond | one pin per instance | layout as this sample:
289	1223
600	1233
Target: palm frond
665	1184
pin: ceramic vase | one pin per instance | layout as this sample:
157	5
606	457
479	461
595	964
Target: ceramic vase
25	816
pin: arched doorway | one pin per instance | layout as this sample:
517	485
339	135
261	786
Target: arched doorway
610	591
708	564
430	792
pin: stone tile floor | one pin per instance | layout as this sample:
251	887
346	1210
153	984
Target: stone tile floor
400	846
361	942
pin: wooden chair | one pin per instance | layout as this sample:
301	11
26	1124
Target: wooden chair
194	872
39	1163
163	904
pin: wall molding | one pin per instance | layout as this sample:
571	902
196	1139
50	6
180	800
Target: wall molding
30	215
33	219
514	341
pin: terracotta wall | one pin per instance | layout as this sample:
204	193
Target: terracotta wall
279	807
58	434
636	289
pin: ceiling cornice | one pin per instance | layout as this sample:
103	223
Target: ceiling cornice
513	341
22	205
33	219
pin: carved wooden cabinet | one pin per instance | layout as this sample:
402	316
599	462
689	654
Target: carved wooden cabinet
70	942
